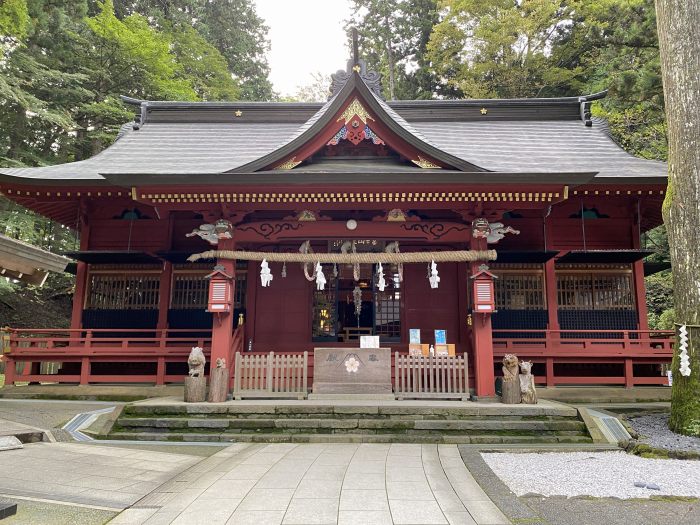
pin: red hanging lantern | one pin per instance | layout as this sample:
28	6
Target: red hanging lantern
483	293
220	291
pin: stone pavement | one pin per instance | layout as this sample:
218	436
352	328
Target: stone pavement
85	474
24	433
49	415
325	483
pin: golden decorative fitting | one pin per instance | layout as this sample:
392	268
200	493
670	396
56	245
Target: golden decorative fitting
288	164
425	164
396	215
306	216
484	111
355	108
356	68
238	113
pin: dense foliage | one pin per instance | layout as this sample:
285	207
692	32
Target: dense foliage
531	48
64	63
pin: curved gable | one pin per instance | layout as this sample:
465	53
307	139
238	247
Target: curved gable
356	114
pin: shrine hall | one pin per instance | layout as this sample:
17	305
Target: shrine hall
482	227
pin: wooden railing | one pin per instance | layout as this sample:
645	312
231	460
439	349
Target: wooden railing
586	342
589	347
89	346
271	375
434	377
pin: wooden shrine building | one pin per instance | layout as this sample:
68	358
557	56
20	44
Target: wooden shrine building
539	181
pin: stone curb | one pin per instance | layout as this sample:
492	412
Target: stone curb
495	489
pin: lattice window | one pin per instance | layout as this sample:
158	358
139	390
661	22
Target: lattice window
387	308
325	313
595	291
519	289
120	291
190	291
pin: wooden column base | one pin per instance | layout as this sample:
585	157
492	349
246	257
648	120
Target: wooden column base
511	392
218	385
195	389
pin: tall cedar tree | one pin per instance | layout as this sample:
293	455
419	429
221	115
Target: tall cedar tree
393	39
679	43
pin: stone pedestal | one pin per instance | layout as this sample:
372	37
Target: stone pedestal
195	389
218	385
352	371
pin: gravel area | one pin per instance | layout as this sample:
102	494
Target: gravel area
596	474
653	430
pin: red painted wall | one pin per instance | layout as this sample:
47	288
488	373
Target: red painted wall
432	309
282	316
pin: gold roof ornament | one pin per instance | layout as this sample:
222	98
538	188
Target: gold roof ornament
238	113
355	108
484	111
425	163
288	164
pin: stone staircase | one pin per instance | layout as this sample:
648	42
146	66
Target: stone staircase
313	422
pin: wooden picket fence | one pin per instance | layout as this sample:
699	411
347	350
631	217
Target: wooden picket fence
271	375
433	377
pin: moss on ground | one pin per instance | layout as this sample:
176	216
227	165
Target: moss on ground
647	451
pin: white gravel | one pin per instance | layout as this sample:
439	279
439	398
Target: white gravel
597	474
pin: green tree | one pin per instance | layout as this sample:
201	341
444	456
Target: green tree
393	39
504	48
14	21
617	44
235	29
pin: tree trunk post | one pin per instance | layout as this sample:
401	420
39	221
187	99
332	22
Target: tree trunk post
678	24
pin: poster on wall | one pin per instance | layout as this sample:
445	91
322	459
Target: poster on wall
440	337
414	336
369	341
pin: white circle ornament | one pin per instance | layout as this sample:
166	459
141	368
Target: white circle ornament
352	365
351	224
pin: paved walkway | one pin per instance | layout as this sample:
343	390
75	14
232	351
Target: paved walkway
290	484
82	474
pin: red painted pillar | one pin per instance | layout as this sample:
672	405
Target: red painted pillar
550	284
482	340
639	285
164	295
76	320
222	324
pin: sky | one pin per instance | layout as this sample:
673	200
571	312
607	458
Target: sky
306	37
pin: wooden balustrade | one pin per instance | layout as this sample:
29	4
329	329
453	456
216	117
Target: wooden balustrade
623	348
433	377
87	347
271	375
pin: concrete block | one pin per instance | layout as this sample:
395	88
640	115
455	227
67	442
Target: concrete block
9	443
7	509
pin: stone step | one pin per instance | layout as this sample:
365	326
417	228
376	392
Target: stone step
349	438
243	425
308	409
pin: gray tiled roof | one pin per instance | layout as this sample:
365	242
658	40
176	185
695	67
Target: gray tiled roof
537	146
517	146
172	148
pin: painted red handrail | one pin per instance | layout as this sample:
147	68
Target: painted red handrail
592	341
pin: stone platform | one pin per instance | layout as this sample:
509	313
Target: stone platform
369	421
